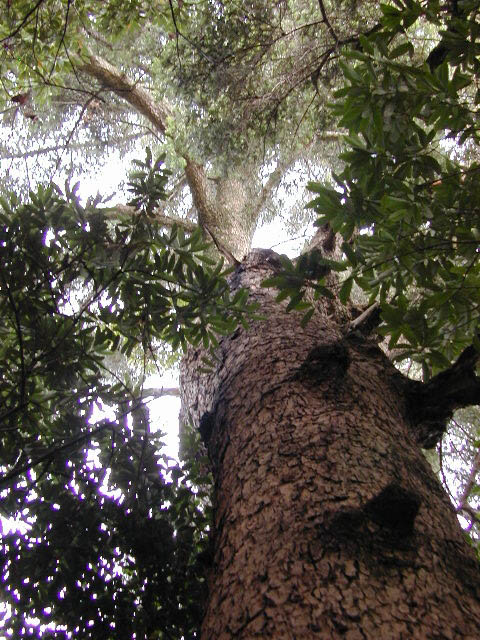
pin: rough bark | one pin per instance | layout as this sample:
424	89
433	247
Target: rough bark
329	522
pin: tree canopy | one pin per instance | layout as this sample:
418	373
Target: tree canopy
111	535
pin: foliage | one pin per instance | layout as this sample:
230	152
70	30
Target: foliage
295	277
406	202
110	534
405	206
240	77
109	529
271	68
55	118
39	39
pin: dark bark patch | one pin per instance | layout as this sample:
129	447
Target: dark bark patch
324	362
207	422
328	243
347	522
395	509
205	558
462	566
386	522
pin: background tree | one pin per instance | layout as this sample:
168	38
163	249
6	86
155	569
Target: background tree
269	73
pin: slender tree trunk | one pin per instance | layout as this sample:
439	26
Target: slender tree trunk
329	522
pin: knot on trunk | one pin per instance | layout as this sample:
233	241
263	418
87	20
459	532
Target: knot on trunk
207	422
394	508
324	362
385	522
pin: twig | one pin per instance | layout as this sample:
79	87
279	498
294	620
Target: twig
62	39
462	503
327	21
177	33
221	248
80	145
74	128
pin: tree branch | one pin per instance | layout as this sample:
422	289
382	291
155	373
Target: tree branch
161	392
272	183
327	21
202	198
430	405
224	251
24	21
72	147
209	213
120	210
113	79
14	473
157	113
367	320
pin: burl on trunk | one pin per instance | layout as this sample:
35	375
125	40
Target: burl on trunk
329	522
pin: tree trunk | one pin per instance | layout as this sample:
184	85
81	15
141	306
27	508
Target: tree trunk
329	522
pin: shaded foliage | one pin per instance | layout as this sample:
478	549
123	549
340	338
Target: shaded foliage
405	206
107	529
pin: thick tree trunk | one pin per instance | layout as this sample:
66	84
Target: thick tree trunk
329	522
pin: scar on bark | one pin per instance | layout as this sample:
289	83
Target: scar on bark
430	405
393	510
207	422
324	362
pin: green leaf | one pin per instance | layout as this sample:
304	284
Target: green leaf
402	49
307	317
345	290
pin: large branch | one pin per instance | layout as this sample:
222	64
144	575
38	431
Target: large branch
273	181
121	210
431	404
118	82
275	178
160	392
201	195
157	113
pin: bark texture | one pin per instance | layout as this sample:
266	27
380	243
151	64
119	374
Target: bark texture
329	522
